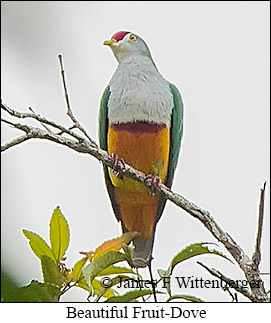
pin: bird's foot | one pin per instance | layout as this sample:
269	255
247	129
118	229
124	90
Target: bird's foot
154	181
116	159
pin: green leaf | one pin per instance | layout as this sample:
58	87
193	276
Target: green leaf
98	286
51	273
77	269
35	292
130	296
82	283
38	245
111	270
129	254
188	252
112	282
101	263
9	288
165	275
193	250
59	234
189	298
115	244
38	292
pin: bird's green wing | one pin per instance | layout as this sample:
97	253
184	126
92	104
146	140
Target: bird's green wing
103	131
103	119
176	132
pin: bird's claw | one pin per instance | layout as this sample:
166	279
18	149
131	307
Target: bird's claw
116	159
155	182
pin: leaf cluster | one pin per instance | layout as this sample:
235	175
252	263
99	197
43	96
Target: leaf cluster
96	272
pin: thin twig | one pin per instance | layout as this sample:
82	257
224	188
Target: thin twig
66	288
153	284
70	128
82	146
43	120
256	257
45	127
233	296
69	110
140	287
24	127
15	141
229	282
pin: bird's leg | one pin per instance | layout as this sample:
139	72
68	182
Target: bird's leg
155	182
116	159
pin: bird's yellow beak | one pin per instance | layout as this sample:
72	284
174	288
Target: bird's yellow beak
110	42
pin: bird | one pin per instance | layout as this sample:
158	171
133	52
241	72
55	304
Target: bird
141	123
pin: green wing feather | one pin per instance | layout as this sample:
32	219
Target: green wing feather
103	118
103	131
176	132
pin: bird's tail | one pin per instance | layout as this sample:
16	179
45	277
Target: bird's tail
142	252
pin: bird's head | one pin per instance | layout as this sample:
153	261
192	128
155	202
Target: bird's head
125	43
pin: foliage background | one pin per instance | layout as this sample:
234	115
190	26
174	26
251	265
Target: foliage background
217	54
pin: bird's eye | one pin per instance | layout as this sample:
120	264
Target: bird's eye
133	37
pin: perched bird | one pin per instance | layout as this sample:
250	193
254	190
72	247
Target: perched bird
141	122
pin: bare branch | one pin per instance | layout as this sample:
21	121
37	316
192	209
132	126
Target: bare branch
81	146
45	127
20	126
42	120
256	257
15	141
69	110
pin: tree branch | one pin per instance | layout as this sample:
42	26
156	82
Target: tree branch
43	120
69	110
15	141
256	257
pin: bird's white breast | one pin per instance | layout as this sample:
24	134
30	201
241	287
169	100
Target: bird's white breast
139	93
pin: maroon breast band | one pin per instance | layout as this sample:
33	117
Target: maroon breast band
138	127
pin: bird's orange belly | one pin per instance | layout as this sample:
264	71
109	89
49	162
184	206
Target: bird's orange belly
145	147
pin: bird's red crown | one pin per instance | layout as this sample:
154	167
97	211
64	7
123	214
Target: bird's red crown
119	35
